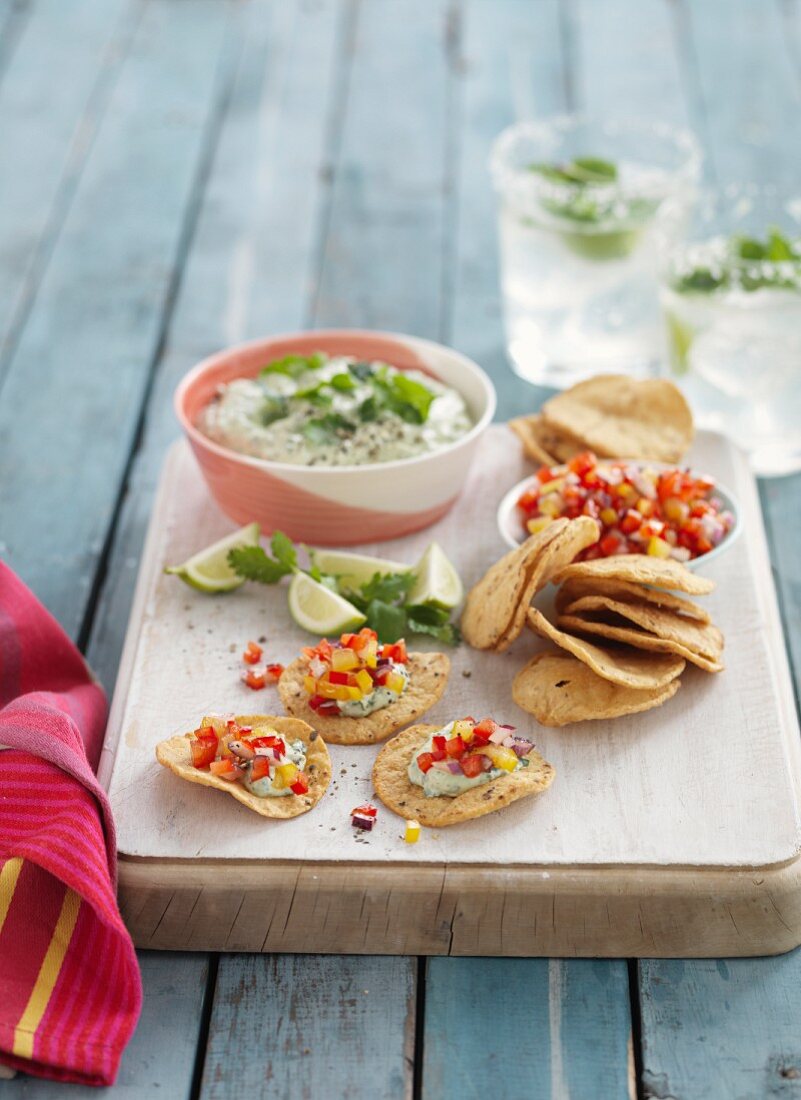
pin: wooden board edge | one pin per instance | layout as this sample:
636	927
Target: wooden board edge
351	908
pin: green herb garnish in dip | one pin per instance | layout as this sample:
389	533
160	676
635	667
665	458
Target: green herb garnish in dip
585	191
335	411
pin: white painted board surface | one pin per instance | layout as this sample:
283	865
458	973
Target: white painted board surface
709	779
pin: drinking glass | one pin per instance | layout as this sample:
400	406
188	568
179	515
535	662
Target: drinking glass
579	201
731	298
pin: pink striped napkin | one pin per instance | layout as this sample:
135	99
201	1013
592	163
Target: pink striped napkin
70	991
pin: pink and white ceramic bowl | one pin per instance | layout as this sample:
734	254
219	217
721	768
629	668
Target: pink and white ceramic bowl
337	505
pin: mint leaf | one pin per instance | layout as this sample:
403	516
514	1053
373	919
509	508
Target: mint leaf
779	248
408	399
295	365
369	410
361	371
254	564
592	170
327	429
342	382
701	279
274	408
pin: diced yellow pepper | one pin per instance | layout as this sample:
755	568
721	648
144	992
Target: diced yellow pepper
352	693
626	491
551	505
539	524
217	723
337	691
501	757
310	684
395	682
412	834
364	681
554	486
658	548
343	660
464	730
609	517
676	510
369	654
284	776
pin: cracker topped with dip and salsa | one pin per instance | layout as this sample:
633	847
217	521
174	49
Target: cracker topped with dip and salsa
357	691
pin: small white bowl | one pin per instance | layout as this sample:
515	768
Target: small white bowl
513	534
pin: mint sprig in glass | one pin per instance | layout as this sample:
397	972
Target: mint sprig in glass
579	201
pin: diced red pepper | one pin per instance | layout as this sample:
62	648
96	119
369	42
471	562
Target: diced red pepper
485	728
367	809
338	677
438	748
424	762
204	749
395	652
455	747
273	673
609	545
266	741
301	784
260	768
582	463
225	769
256	679
471	765
252	654
545	474
320	705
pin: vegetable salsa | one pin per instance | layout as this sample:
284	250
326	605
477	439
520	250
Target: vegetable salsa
266	764
641	509
465	754
355	675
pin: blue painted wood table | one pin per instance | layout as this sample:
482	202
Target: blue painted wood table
178	175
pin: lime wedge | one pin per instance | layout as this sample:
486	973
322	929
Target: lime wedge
209	571
319	610
436	580
354	570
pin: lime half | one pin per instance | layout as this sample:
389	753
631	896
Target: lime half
354	570
436	580
209	571
319	610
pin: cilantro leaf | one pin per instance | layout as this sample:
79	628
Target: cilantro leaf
295	365
387	586
440	627
342	382
387	620
327	429
254	564
284	551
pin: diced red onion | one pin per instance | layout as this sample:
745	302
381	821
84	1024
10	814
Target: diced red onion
486	763
361	821
454	767
499	736
680	553
512	728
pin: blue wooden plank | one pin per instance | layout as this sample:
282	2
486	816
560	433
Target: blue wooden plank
160	1058
383	264
251	266
72	394
510	66
509	1028
722	1029
745	74
626	60
46	136
305	1027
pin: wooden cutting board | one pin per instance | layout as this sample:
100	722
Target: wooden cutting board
674	832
